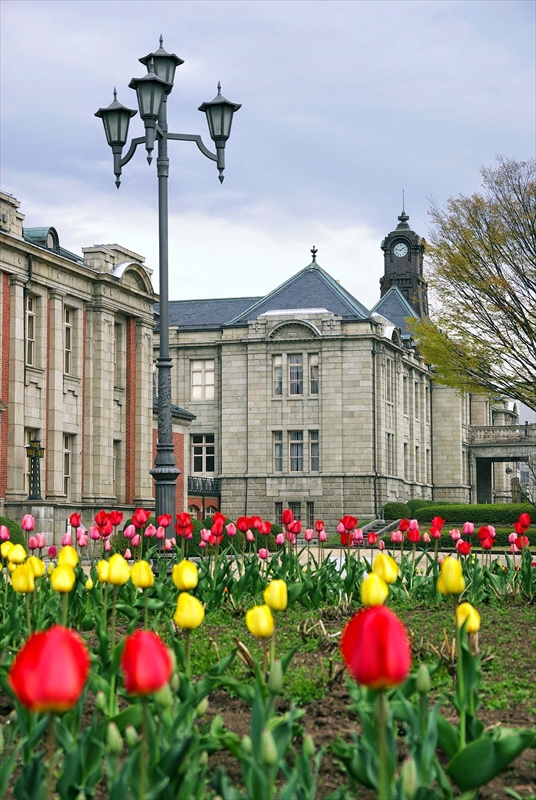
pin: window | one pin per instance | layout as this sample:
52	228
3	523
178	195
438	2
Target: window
310	515
417	400
117	471
296	451
29	435
67	465
30	330
313	373
296	510
427	401
194	512
278	513
203	453
406	398
67	340
314	451
120	356
417	465
278	451
202	379
295	374
406	461
390	453
277	369
429	466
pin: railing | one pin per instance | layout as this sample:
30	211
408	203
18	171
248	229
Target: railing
204	486
502	433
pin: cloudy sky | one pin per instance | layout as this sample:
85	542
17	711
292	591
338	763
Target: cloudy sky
344	105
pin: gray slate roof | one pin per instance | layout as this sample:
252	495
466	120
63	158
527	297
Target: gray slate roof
196	314
394	306
176	411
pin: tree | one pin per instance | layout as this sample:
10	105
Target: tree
481	335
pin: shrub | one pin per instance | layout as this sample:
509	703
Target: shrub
490	514
16	534
396	511
419	503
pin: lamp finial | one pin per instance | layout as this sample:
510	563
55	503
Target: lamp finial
219	87
161	41
314	251
115	95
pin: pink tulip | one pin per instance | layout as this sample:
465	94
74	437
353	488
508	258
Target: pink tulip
491	530
358	536
414	525
202	543
128	554
107	545
426	538
435	533
136	539
66	539
280	538
150	530
94	533
40	540
381	545
168	545
322	536
513	548
308	535
250	537
28	522
205	534
455	534
231	529
263	553
468	528
129	531
4	533
397	537
341	528
32	543
52	552
189	533
82	541
512	538
160	532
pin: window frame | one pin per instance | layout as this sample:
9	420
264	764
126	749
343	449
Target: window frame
277	451
67	465
30	322
68	326
204	445
206	389
295	384
314	374
314	445
295	451
277	375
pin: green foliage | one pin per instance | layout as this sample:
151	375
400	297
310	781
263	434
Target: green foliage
416	503
396	511
490	514
16	534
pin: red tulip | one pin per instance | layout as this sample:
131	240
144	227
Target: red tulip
255	522
287	517
372	538
217	528
146	663
349	522
50	671
463	548
242	523
140	517
164	520
414	536
296	527
75	520
524	520
319	525
101	518
346	538
522	541
116	518
437	522
375	647
487	543
435	533
265	528
219	517
404	525
483	533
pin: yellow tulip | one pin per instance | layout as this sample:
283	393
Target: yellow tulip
89	584
102	570
22	579
118	570
465	611
185	576
68	556
451	580
276	595
260	621
142	575
190	612
385	567
62	579
5	547
11	567
374	590
51	567
17	554
37	565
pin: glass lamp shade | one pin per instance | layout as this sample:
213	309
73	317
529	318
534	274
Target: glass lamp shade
163	63
150	90
219	116
116	119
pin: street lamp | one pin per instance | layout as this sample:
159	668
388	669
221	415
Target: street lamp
35	452
152	92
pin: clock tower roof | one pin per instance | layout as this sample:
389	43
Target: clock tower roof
403	264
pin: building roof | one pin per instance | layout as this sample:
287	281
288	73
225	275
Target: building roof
39	237
213	313
176	411
394	306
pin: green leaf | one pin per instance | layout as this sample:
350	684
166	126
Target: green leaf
130	716
486	757
448	737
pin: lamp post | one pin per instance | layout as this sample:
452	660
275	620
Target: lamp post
35	452
152	92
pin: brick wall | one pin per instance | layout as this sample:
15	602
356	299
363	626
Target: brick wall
4	380
130	421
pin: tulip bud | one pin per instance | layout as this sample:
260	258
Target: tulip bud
63	579
309	746
118	570
142	575
269	752
451	580
247	745
374	590
100	701
275	595
89	585
16	554
114	740
5	548
190	612
466	612
260	621
131	736
424	683
202	707
174	682
164	696
68	556
275	680
185	575
410	780
23	579
386	568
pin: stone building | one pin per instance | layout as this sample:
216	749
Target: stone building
76	340
306	399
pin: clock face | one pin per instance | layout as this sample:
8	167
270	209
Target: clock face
400	249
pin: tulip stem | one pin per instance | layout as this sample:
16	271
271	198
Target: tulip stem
187	654
105	606
460	689
384	782
264	658
114	601
145	609
64	608
272	643
50	756
143	749
28	615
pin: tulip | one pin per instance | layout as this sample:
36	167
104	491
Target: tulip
466	612
107	546
66	540
386	568
437	522
4	533
358	536
463	548
140	517
413	535
319	525
102	570
205	533
404	525
11	567
374	590
164	520
150	530
375	648
202	544
487	543
89	585
40	537
512	537
23	579
32	543
349	522
185	575
435	533
146	663
94	533
309	535
483	532
514	548
287	517
491	530
168	545
250	537
62	579
189	613
37	566
231	529
276	595
468	528
381	545
52	552
522	541
118	570
129	531
142	575
524	520
260	621
69	556
341	529
426	537
136	539
414	525
280	539
127	554
263	553
74	520
160	532
116	518
397	537
322	535
347	539
16	553
451	580
28	523
50	671
455	534
82	541
372	538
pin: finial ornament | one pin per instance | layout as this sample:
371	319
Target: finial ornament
115	94
219	87
161	41
314	251
403	203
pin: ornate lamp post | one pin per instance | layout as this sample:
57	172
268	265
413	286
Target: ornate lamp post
152	91
35	452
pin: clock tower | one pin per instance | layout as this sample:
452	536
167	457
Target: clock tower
403	265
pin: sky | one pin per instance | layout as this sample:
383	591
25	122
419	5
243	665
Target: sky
345	105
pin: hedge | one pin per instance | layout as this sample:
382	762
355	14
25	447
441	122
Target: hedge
16	534
396	511
490	514
413	505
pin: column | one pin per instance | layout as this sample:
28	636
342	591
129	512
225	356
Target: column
16	453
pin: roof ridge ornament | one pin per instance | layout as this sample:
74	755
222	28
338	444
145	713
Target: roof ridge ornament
314	251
